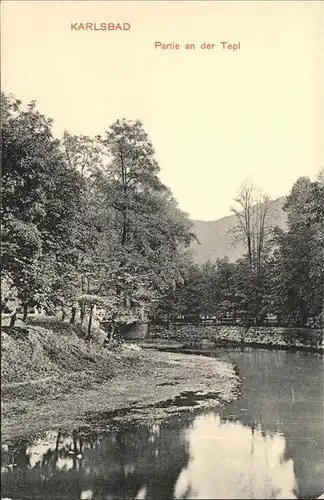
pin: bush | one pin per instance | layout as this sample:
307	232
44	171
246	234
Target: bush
32	352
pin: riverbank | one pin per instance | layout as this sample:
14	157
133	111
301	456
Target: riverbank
210	336
54	380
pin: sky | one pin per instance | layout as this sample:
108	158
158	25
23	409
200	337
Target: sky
215	117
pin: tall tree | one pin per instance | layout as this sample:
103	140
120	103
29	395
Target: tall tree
251	212
131	233
40	196
152	232
299	275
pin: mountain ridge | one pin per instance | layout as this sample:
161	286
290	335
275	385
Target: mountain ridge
214	236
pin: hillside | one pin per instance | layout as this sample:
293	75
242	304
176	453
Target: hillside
214	236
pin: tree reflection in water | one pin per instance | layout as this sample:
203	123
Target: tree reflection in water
142	463
230	460
209	458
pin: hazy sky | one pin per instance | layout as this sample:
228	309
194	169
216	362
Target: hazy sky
215	117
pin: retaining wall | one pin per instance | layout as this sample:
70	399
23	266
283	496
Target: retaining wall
209	336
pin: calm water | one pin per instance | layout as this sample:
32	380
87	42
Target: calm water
269	444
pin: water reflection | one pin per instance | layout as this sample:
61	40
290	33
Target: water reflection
283	393
229	460
268	444
142	463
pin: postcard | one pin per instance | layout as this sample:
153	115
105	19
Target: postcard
162	249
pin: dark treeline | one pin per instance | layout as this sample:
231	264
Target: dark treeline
279	278
86	222
88	225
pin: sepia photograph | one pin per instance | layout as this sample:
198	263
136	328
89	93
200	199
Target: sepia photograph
162	249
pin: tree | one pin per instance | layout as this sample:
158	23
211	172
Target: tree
87	222
253	229
84	154
133	170
252	292
149	232
208	289
40	197
252	217
131	234
298	273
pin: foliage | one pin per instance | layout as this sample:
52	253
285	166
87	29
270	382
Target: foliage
146	231
40	197
87	222
298	272
89	229
9	299
281	274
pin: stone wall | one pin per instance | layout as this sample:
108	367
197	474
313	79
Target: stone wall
208	336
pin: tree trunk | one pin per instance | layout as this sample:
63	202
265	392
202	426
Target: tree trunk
25	312
112	331
63	314
90	322
56	454
82	313
75	444
124	234
73	313
13	319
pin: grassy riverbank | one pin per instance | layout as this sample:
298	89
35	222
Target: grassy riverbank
54	380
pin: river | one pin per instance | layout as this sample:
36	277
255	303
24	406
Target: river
268	444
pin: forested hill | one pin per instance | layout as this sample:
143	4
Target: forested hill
215	240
